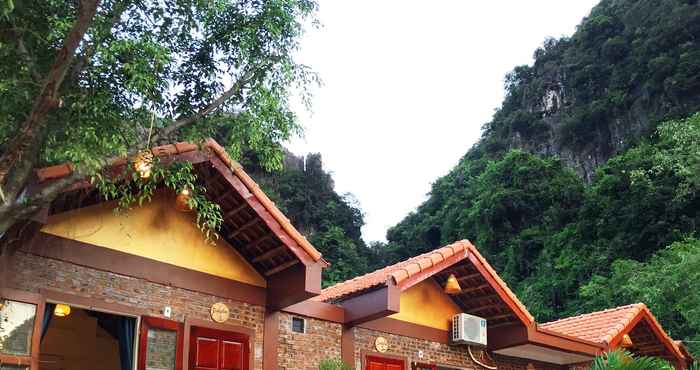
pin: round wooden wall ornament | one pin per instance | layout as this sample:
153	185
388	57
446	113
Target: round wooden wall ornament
381	344
219	312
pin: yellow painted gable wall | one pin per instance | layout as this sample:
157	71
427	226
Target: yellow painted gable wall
426	304
156	231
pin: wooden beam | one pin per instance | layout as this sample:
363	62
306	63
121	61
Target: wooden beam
470	276
293	285
281	267
482	298
487	307
244	227
372	305
498	317
473	289
234	211
257	242
269	254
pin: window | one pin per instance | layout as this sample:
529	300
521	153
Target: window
160	345
16	327
298	325
20	319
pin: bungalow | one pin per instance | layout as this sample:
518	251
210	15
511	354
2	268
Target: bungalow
632	327
82	287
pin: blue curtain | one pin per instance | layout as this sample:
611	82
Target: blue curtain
48	314
126	328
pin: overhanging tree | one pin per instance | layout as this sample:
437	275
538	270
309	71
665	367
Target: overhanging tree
84	81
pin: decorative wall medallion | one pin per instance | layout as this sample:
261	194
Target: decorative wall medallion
219	312
381	344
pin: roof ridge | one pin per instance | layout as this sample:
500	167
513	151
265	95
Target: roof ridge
588	314
398	272
65	169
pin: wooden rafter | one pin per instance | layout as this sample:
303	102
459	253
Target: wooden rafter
257	242
235	210
281	267
270	254
243	227
486	307
498	317
468	277
474	289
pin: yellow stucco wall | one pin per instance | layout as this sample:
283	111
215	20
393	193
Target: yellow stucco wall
156	231
426	304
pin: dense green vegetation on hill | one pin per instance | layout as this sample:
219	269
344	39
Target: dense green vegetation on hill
630	65
575	193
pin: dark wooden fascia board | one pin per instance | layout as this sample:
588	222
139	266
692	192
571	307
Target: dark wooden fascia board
293	285
318	310
372	305
261	211
554	340
100	258
407	329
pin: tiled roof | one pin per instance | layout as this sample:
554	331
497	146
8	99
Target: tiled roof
426	265
433	261
62	170
599	327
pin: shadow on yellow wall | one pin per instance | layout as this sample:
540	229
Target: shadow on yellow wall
427	304
156	231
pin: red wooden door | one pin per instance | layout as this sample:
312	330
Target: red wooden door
160	344
212	349
382	363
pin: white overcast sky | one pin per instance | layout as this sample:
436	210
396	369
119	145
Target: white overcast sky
408	85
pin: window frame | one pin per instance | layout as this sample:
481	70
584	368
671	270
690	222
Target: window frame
150	322
303	323
32	360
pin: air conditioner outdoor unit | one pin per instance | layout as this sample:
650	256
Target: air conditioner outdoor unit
468	329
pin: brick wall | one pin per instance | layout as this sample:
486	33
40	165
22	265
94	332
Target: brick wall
513	363
305	351
31	273
433	352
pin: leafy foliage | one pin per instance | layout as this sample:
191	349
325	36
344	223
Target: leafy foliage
549	234
144	73
622	360
333	364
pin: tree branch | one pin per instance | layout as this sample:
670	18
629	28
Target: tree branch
24	53
30	135
235	90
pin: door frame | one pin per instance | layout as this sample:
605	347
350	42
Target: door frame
94	304
148	322
364	354
190	322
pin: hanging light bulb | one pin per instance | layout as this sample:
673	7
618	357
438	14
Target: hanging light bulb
143	163
182	201
452	285
61	310
626	341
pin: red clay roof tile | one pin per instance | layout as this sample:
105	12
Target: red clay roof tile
400	272
599	327
58	171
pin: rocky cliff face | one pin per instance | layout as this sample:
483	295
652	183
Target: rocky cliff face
630	65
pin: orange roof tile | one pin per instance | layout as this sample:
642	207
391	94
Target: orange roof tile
429	263
608	326
58	171
599	327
